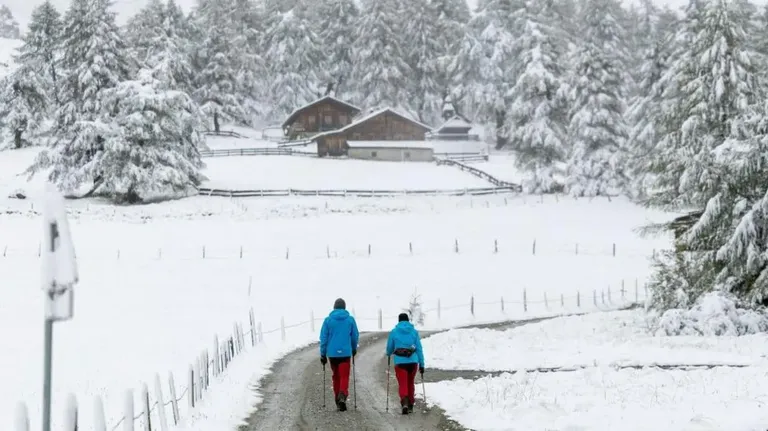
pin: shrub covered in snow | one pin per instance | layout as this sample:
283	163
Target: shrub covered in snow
715	313
415	310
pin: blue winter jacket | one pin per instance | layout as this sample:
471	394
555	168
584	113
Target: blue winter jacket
404	335
339	335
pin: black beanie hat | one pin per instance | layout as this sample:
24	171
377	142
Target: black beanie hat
339	304
403	317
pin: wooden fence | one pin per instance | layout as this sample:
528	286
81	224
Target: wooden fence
203	191
480	174
226	133
256	152
158	412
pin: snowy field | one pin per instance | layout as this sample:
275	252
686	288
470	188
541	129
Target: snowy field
599	386
283	172
159	281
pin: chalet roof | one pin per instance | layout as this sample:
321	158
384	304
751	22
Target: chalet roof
455	122
292	116
422	145
366	117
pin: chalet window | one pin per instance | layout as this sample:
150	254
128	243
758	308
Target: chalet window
373	154
355	136
328	119
342	119
311	119
407	154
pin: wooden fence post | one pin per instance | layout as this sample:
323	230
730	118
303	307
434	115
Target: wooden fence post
70	413
160	404
578	299
614	249
146	409
502	305
562	301
252	320
439	310
312	320
282	328
602	296
495	246
261	334
128	410
534	247
99	419
577	249
381	320
369	250
203	252
174	400
525	301
216	357
191	387
609	295
546	302
472	305
456	245
594	297
328	251
21	421
637	295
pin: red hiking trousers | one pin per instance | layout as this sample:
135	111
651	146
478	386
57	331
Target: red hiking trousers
406	380
340	369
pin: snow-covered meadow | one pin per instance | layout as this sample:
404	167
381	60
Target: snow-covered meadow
159	281
603	371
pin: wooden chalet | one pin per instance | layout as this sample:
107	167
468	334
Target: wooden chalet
322	115
382	125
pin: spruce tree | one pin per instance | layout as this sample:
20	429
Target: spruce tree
597	130
23	105
538	109
9	27
423	52
334	22
41	50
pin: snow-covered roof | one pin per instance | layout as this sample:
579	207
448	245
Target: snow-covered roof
366	117
421	145
292	115
455	122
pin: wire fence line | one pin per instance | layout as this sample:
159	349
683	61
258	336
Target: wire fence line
154	411
370	250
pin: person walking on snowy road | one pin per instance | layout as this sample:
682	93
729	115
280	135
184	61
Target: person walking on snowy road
338	344
404	342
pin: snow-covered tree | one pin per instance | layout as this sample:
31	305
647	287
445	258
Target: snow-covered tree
423	54
41	49
9	27
381	72
537	114
94	60
152	151
23	105
712	84
294	59
451	19
597	130
334	23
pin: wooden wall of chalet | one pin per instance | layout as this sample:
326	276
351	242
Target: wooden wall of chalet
384	127
319	118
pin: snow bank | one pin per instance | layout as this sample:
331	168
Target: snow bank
600	399
620	338
714	314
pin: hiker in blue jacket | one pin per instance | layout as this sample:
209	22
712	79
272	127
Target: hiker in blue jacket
338	342
404	342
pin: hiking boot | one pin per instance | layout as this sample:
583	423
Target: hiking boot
410	406
404	405
341	402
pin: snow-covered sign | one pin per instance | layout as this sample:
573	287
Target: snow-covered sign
59	266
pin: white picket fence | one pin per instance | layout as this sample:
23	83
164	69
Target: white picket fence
161	411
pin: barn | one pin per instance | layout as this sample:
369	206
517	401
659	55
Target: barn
324	114
391	151
381	125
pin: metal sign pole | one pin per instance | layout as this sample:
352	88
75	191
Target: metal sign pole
48	341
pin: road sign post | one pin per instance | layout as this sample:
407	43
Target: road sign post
59	275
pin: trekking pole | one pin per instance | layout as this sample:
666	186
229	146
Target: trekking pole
354	381
388	371
324	390
424	389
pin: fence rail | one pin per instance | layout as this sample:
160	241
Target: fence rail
480	174
205	369
225	133
264	151
204	191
